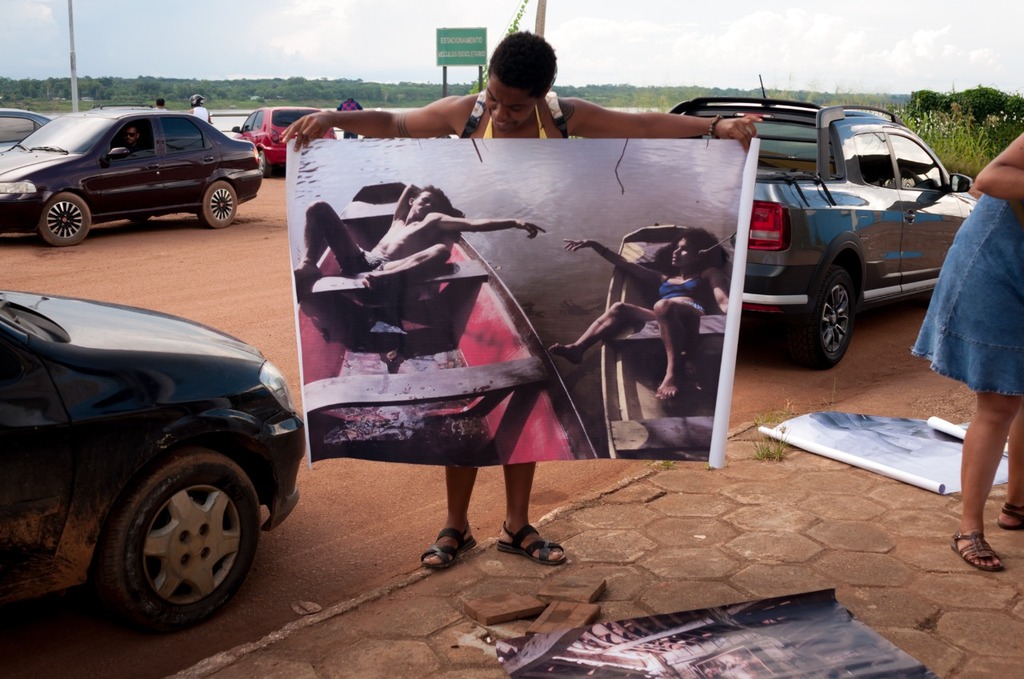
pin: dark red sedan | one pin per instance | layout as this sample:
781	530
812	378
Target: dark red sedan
122	163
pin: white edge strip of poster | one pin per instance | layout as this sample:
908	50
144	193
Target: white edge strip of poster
723	405
853	460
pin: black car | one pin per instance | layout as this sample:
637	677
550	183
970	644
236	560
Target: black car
16	124
122	163
851	210
136	450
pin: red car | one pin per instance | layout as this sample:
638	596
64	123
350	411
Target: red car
264	128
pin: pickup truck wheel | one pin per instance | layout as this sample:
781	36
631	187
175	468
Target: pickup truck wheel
822	340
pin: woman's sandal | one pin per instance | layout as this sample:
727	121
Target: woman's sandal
542	547
975	550
446	553
1017	512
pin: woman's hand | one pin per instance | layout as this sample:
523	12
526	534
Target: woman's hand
307	128
741	129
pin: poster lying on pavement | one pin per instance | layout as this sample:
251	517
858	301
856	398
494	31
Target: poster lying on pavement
920	452
803	635
480	302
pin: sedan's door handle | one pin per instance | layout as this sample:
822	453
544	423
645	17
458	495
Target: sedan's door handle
909	216
208	159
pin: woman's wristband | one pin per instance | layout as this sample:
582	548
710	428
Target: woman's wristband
711	127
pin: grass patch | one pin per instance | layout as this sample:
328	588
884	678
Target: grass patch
768	449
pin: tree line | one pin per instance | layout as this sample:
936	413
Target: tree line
54	94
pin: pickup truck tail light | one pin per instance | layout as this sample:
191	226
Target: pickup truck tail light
769	226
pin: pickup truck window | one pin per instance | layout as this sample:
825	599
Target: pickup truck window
875	162
918	170
787	146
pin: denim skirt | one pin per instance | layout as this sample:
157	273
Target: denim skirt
974	329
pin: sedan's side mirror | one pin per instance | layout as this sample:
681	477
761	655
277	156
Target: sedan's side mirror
960	183
236	128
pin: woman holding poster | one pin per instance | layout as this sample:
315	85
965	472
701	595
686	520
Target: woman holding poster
517	103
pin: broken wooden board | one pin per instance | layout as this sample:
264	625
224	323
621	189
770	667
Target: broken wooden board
562	615
573	588
503	607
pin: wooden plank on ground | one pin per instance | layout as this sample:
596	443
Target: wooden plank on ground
563	615
503	607
578	588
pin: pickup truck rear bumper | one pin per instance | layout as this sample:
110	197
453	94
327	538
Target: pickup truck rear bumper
776	288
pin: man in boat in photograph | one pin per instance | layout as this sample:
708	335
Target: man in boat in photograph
417	247
692	285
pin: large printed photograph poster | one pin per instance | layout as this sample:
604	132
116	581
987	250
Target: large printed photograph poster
481	302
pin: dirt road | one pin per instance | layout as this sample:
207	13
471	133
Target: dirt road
359	525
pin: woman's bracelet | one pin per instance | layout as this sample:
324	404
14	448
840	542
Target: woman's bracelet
711	127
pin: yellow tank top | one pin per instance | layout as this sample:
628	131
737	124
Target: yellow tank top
489	133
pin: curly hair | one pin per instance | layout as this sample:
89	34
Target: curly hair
525	61
697	239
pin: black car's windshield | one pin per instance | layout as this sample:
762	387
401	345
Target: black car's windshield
67	134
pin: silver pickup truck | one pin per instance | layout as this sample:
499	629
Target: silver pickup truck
851	210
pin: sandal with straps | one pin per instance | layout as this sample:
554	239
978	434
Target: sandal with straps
1017	512
975	550
446	553
542	547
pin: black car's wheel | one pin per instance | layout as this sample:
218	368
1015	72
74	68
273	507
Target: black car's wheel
179	543
266	168
822	340
65	220
220	203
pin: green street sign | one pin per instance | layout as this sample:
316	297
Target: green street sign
461	46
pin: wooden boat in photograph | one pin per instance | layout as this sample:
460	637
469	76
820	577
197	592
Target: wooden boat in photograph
641	426
448	371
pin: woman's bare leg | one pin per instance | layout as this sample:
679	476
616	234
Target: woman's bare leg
679	322
618	316
459	482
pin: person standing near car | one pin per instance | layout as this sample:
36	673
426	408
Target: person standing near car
973	332
517	103
198	109
350	104
160	104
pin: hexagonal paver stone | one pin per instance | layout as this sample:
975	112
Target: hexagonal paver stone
464	644
689	532
690	504
862	568
673	596
853	536
851	507
985	632
754	493
612	516
932	651
613	546
381	659
844	480
915	523
891	607
967	590
414	616
770	518
774	547
703	563
635	493
771	580
266	666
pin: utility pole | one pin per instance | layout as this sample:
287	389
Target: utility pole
74	67
542	8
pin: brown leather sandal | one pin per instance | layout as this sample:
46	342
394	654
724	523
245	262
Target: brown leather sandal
976	550
1017	512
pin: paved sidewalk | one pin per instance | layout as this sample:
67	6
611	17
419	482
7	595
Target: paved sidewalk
684	537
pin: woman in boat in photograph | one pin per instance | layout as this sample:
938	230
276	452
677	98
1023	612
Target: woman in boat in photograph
693	284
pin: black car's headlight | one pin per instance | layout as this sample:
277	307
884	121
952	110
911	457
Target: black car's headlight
17	187
273	380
